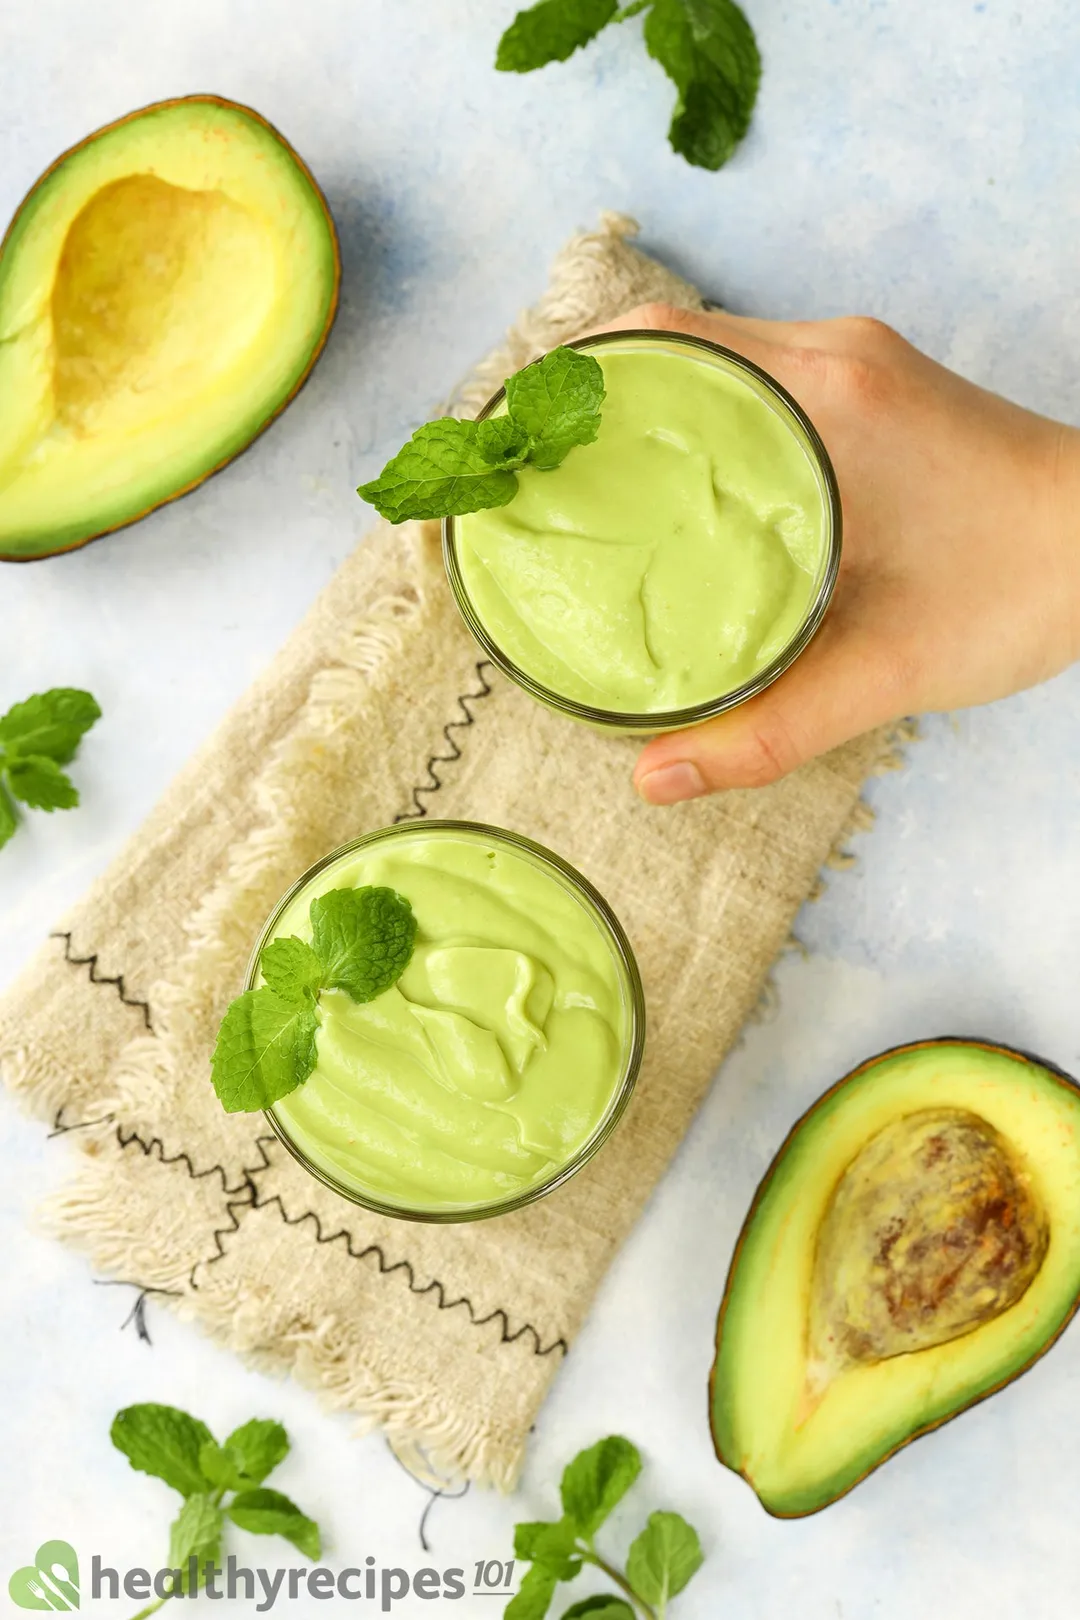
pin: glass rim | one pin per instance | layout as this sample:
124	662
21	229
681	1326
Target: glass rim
634	1046
672	719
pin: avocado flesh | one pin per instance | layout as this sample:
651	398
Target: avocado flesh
164	290
832	1349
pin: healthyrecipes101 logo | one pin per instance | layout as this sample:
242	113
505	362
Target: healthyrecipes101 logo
50	1582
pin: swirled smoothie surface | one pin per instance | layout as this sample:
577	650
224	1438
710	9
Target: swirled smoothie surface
493	1058
667	563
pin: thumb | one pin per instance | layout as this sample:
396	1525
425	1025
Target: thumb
835	691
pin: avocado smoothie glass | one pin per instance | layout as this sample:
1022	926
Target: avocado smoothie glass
671	569
504	1055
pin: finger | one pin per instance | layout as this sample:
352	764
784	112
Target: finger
838	689
841	334
754	340
766	344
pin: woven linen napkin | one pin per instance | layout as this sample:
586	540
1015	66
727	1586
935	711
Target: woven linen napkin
379	707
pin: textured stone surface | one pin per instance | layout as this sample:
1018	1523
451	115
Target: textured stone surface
912	161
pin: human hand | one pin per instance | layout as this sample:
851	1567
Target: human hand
960	576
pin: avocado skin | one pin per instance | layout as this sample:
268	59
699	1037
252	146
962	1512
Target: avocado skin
202	99
716	1407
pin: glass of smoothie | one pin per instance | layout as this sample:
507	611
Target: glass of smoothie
673	568
506	1052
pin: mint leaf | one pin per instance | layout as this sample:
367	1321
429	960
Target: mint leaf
550	32
527	1537
49	723
503	442
708	49
291	970
557	401
8	819
259	1445
709	123
597	1480
533	1597
39	782
265	1049
221	1468
601	1607
247	1456
441	472
364	939
196	1531
663	1558
552	1545
268	1513
163	1441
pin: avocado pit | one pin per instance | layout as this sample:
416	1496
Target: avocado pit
933	1229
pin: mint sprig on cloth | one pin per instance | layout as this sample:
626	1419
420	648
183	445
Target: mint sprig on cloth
362	940
450	467
37	737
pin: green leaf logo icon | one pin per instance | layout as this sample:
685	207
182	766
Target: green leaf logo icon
50	1582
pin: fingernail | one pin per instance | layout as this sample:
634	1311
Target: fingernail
671	784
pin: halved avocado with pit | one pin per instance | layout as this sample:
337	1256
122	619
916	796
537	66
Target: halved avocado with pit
913	1248
165	289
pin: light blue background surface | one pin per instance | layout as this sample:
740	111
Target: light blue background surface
908	159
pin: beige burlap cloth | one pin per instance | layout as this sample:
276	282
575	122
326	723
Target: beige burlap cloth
379	707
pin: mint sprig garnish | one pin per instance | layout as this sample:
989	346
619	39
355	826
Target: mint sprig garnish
450	467
362	940
37	737
706	47
217	1482
659	1563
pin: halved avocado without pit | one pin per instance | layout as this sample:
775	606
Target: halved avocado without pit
165	288
913	1248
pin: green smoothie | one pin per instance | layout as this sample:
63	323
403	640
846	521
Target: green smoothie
498	1054
671	561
